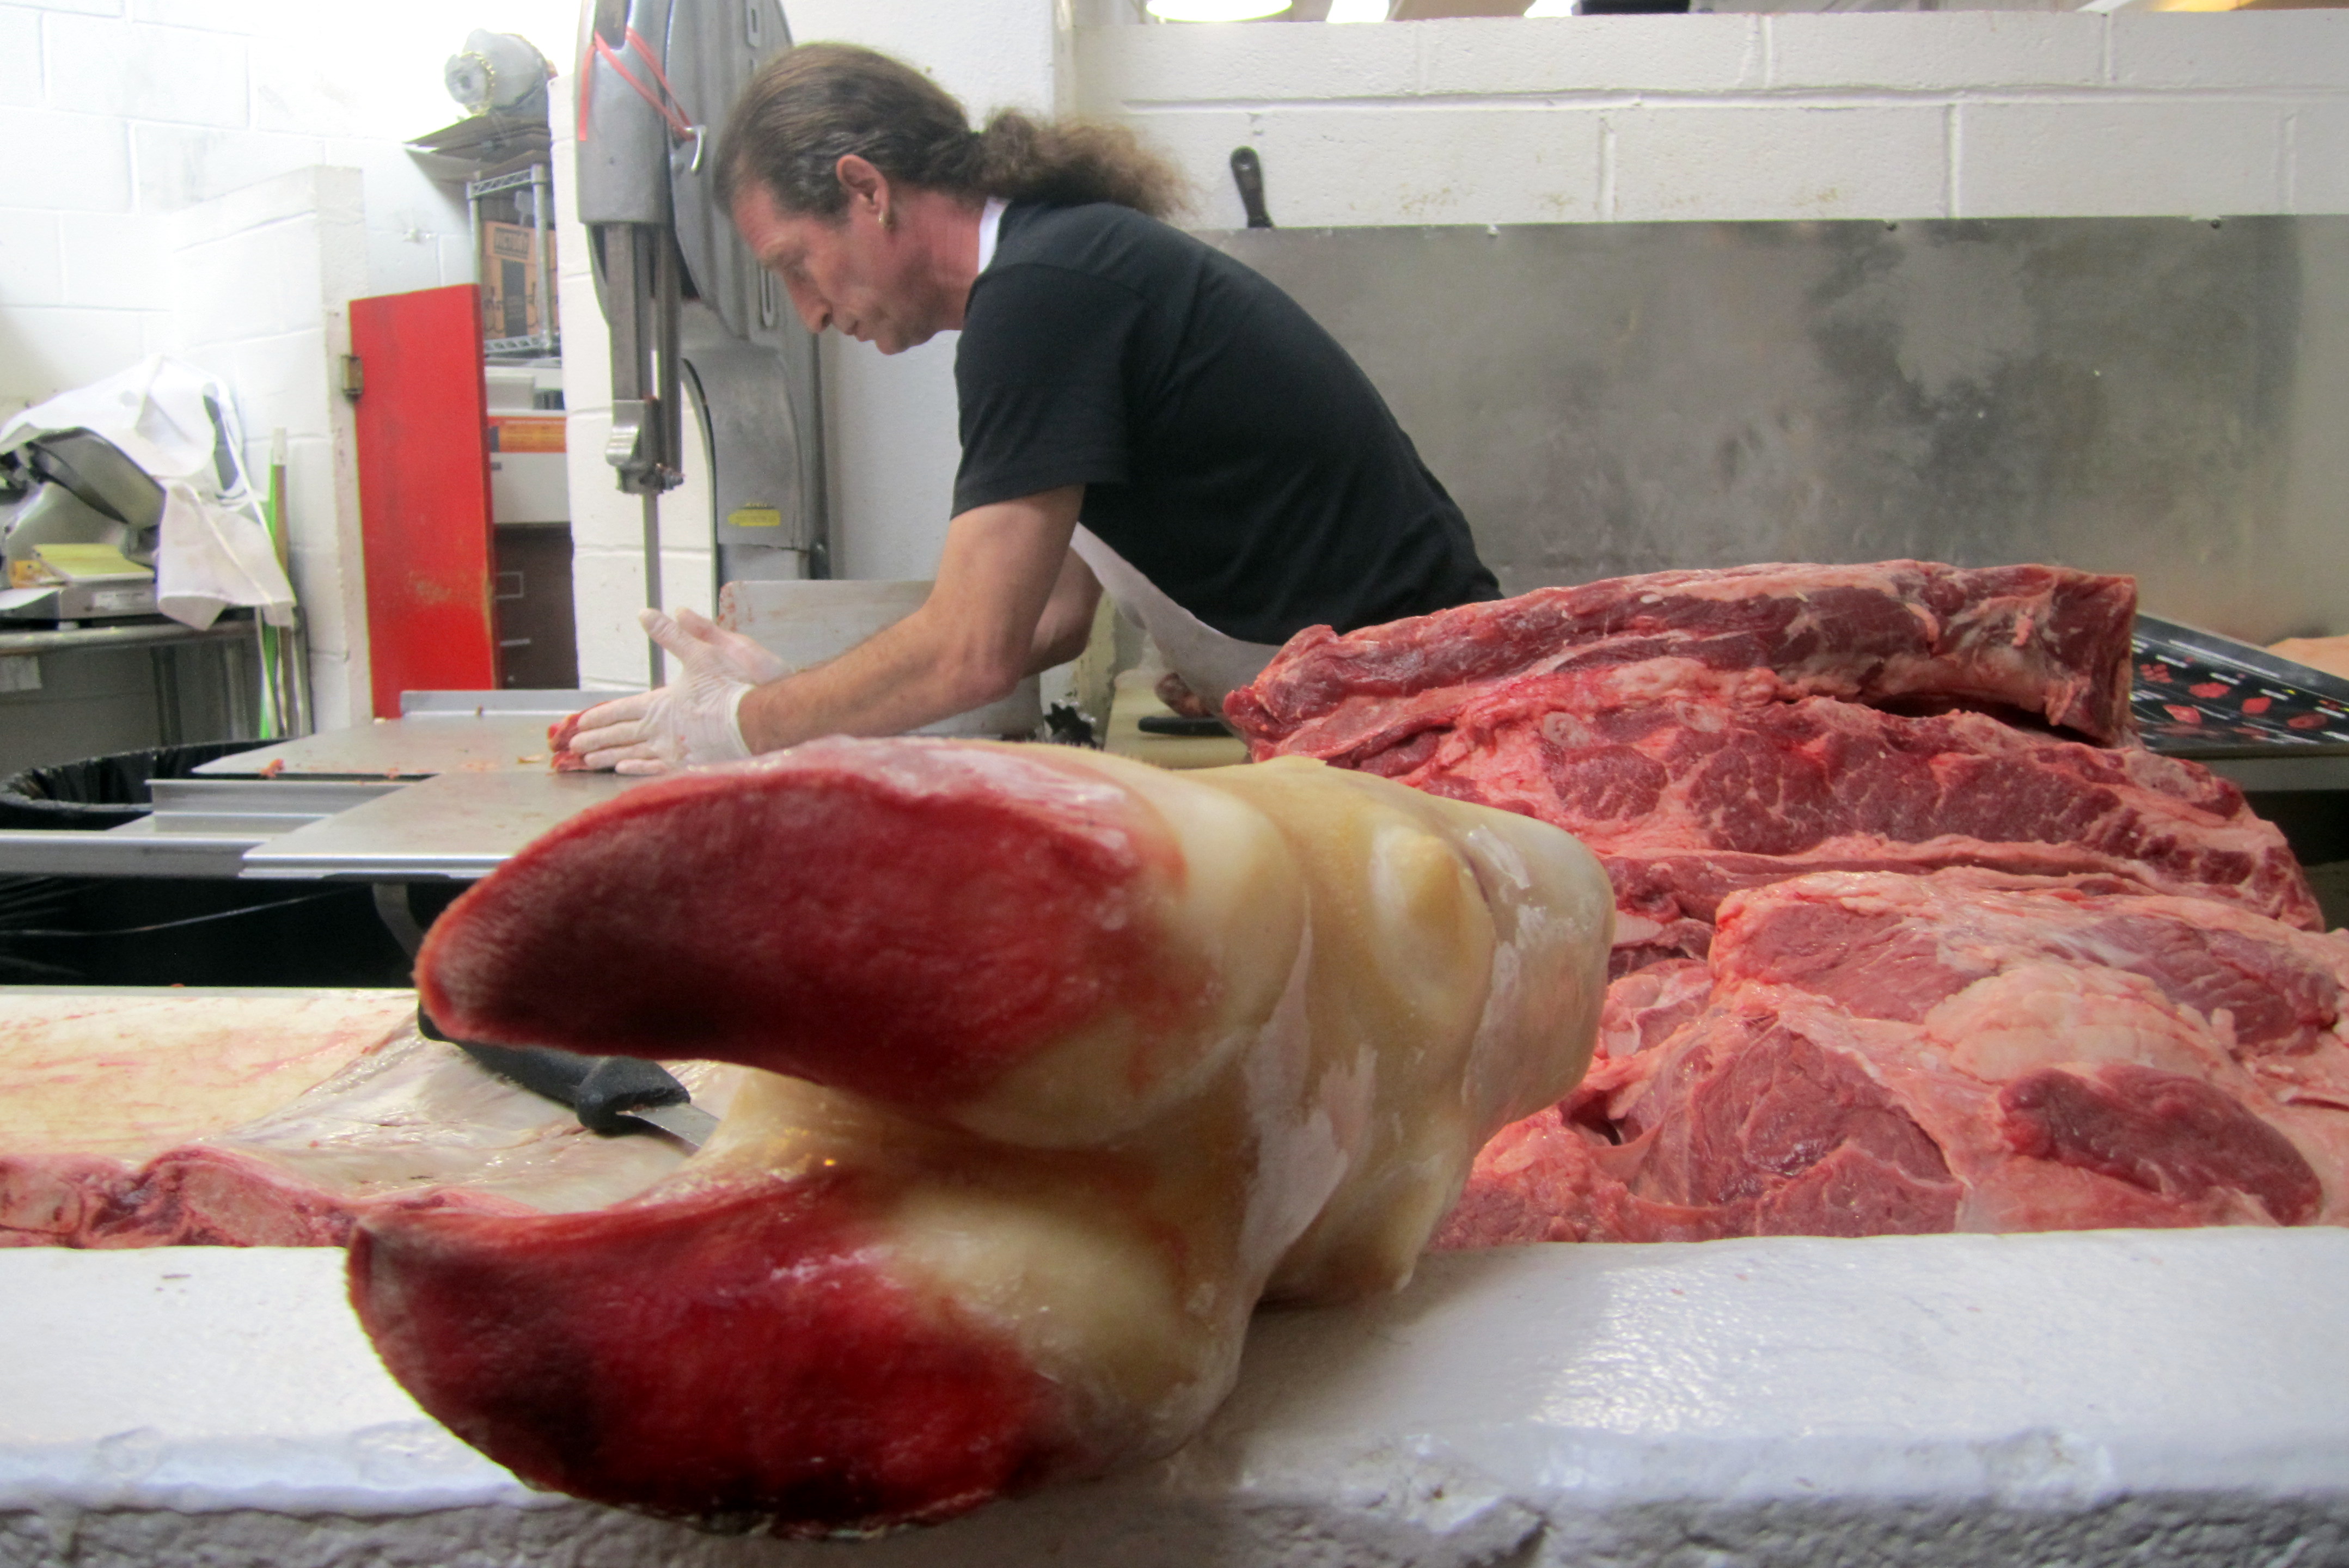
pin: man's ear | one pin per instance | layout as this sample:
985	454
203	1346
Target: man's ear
866	184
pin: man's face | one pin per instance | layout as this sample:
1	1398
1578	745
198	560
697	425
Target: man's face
853	275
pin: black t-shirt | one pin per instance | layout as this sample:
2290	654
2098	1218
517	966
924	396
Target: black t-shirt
1230	450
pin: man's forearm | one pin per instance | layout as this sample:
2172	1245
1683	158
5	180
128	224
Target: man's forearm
1004	566
898	679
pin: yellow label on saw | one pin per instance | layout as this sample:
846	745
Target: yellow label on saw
755	517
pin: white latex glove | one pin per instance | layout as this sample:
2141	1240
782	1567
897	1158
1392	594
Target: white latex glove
693	719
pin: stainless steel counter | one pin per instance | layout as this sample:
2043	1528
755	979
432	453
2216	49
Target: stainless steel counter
99	689
459	825
448	789
437	732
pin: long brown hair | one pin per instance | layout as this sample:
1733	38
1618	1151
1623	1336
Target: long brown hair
812	106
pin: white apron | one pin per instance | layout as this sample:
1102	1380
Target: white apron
1211	663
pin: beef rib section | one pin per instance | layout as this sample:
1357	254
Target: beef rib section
2037	640
1873	1052
1691	783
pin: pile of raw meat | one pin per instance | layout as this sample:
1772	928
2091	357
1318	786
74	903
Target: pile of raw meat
1910	935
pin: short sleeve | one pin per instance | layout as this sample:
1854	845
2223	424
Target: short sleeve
1040	382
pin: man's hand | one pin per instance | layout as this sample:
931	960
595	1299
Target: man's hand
690	721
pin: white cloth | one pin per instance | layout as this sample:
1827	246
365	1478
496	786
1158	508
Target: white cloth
991	223
179	423
1211	663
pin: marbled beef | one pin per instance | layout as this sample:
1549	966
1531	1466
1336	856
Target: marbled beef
1884	1053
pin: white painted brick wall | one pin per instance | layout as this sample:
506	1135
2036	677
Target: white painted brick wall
107	262
1647	53
1947	53
2127	158
32	261
262	279
131	70
20	56
61	161
1910	115
2319	131
2256	50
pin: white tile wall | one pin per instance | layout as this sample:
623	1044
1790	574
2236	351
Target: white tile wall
180	165
143	109
1258	64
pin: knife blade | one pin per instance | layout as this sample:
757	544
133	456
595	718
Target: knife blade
610	1094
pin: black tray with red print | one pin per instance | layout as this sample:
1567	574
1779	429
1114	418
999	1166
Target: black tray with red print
2197	694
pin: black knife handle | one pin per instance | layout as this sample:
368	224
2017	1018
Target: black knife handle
1248	173
600	1090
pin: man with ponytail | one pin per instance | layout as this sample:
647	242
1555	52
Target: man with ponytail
1139	413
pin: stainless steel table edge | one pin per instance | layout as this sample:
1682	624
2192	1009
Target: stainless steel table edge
133	850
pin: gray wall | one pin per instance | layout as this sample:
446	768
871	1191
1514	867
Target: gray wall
2163	396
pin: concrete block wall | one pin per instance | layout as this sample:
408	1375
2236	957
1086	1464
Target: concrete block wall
1966	114
260	284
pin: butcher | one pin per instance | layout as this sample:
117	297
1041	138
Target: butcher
1139	415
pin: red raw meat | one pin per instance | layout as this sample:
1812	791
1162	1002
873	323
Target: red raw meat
192	1197
1691	784
1084	1058
2040	640
1962	1050
820	937
846	1396
561	758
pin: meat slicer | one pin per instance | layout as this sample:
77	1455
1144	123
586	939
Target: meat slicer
77	530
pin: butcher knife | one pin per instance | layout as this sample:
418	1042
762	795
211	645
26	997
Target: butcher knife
611	1094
